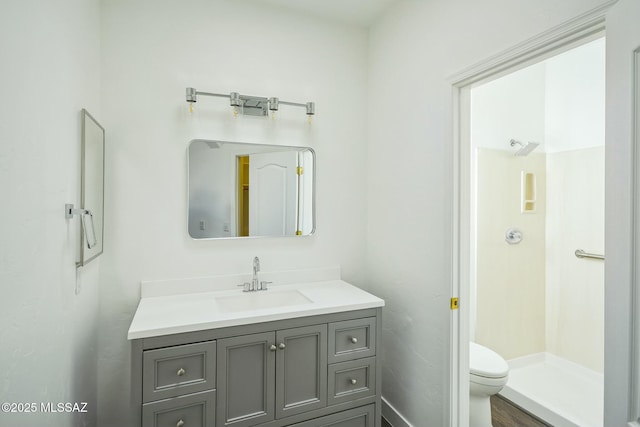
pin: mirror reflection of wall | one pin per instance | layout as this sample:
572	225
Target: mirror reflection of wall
249	190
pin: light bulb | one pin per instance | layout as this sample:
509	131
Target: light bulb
235	111
191	107
309	118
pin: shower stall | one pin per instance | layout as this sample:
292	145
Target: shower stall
540	305
538	274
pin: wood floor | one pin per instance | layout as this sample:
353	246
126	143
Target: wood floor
505	414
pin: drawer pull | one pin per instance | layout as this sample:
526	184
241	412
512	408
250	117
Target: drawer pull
353	381
180	373
180	423
273	347
282	346
353	340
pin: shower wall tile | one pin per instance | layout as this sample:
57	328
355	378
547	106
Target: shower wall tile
510	278
575	287
537	296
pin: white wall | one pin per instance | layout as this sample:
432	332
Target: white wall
412	51
574	110
153	50
48	341
512	107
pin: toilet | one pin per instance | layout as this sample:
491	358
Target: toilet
488	375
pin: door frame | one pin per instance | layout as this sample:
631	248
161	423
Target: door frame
580	30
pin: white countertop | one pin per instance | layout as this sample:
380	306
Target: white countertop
196	311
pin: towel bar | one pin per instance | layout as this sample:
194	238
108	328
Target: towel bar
582	254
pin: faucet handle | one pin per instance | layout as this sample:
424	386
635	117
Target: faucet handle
246	286
263	285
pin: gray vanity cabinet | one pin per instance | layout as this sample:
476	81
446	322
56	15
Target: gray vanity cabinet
271	375
314	371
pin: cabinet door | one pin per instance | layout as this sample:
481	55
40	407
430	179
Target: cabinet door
246	380
301	370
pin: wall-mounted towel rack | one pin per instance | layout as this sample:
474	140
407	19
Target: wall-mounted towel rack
582	254
89	232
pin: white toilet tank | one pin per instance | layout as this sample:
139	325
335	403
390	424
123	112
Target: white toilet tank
484	362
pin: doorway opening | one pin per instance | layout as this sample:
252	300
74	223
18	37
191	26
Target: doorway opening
579	32
537	199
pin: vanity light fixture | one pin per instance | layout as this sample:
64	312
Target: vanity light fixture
251	105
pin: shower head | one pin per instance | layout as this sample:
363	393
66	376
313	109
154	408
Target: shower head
525	149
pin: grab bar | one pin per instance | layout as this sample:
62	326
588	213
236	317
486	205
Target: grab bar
582	254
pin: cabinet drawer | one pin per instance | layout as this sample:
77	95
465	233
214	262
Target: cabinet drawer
358	417
352	380
172	371
352	339
193	410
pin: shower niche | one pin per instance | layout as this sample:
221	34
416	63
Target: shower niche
528	192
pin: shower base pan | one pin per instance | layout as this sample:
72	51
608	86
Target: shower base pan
560	392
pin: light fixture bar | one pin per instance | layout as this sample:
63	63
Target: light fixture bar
253	105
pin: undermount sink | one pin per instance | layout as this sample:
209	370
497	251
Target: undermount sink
261	300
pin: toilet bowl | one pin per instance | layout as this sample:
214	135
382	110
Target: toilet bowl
488	374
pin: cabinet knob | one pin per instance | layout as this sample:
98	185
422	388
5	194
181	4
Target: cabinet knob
353	381
180	373
353	340
273	347
281	346
180	423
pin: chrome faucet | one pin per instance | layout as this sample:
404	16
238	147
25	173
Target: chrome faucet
255	283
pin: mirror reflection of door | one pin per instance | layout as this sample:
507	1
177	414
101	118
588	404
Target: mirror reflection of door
268	205
242	169
219	199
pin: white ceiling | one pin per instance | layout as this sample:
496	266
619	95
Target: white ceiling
357	12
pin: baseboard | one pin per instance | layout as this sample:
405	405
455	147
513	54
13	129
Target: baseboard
392	415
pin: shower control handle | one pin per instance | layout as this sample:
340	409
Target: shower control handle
513	236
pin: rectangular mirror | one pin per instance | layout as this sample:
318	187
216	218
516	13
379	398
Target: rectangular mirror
92	189
249	190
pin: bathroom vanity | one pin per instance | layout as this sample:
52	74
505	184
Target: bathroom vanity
300	354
